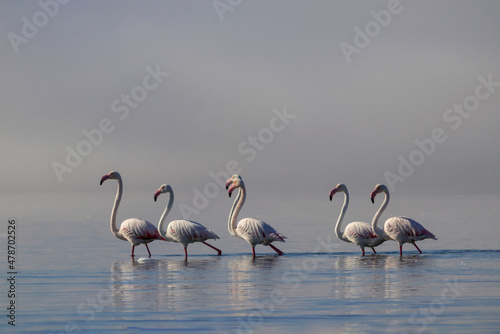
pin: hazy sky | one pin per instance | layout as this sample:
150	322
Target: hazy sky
300	95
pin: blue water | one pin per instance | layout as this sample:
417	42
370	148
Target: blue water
75	276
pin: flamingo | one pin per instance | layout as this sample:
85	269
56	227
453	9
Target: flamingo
400	229
182	231
136	231
254	231
359	233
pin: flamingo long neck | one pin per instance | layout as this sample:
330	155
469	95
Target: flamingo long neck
162	231
235	210
114	211
380	211
339	233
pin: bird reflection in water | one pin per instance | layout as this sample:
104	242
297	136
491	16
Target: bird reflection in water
378	276
161	284
246	275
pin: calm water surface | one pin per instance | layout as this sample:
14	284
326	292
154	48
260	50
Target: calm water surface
75	276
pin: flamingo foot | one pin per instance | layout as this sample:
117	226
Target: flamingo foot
276	250
417	248
373	249
148	249
219	252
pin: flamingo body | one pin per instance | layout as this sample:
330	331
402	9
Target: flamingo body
136	231
184	232
257	232
254	231
360	233
406	230
400	229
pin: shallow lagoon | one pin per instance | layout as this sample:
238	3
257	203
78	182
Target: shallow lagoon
74	276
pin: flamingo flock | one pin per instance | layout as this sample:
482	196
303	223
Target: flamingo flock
256	232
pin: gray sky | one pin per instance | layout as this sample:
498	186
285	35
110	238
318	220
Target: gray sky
231	70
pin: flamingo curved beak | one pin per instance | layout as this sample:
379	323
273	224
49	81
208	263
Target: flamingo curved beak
230	191
104	178
228	182
373	194
332	192
157	193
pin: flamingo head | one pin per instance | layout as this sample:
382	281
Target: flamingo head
114	175
231	179
379	188
340	187
165	188
234	182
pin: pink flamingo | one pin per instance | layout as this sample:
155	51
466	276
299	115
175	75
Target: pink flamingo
359	233
400	229
136	231
254	231
182	231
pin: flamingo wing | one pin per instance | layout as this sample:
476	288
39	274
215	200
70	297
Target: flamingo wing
187	231
359	230
139	231
419	231
406	228
256	231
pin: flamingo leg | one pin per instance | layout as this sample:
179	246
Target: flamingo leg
373	249
148	250
400	250
417	248
253	252
218	250
185	254
362	252
276	250
133	247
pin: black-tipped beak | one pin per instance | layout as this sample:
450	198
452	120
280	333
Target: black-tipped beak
157	194
373	200
229	195
227	186
332	192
